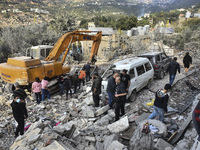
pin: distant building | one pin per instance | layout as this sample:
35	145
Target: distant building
105	31
39	10
3	11
197	15
91	25
188	14
181	9
166	30
17	11
146	15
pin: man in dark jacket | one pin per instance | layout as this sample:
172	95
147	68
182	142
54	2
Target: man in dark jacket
121	98
19	108
96	88
87	71
67	84
111	86
187	60
75	81
160	103
125	78
172	68
60	80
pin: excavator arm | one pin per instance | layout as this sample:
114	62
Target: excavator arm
63	44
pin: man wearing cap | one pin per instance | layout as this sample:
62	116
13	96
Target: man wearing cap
75	80
96	88
125	78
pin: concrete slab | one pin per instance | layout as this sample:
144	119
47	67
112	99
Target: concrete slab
115	145
144	116
162	145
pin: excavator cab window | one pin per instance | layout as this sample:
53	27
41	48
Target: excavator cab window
34	53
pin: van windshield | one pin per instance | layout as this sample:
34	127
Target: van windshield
110	72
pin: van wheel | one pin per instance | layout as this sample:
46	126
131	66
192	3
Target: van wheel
161	74
148	84
9	87
133	96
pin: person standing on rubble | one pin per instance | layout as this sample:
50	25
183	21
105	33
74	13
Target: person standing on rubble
45	90
87	69
60	80
19	108
36	88
111	86
120	98
75	81
187	60
96	88
68	86
81	77
160	103
126	79
172	68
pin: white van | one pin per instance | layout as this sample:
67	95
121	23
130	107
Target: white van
140	70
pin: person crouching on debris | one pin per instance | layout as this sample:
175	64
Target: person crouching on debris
67	84
120	98
45	90
96	88
111	88
81	77
60	80
36	88
160	103
19	108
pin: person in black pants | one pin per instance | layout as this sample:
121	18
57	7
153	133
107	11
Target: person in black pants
60	80
87	70
96	88
19	109
67	84
126	79
121	98
75	81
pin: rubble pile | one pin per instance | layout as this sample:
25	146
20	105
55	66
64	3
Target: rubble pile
76	124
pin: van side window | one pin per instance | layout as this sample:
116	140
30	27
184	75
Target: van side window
147	66
140	70
132	73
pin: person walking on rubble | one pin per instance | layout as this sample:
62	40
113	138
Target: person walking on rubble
75	81
19	108
120	98
172	68
87	69
96	88
60	80
111	86
45	90
81	77
187	60
67	84
36	88
126	79
160	103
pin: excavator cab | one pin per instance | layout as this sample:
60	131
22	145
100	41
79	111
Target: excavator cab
40	51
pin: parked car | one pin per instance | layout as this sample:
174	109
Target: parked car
140	70
159	61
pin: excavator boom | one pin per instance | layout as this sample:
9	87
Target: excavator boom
62	45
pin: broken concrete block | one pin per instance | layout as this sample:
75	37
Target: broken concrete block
91	147
41	106
88	100
119	125
90	139
108	140
115	145
102	110
162	145
55	146
132	118
144	116
32	138
58	97
22	148
104	120
88	89
80	96
87	111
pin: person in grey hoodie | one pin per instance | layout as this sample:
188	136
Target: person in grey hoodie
160	103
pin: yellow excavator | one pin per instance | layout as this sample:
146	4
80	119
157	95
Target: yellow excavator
25	69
